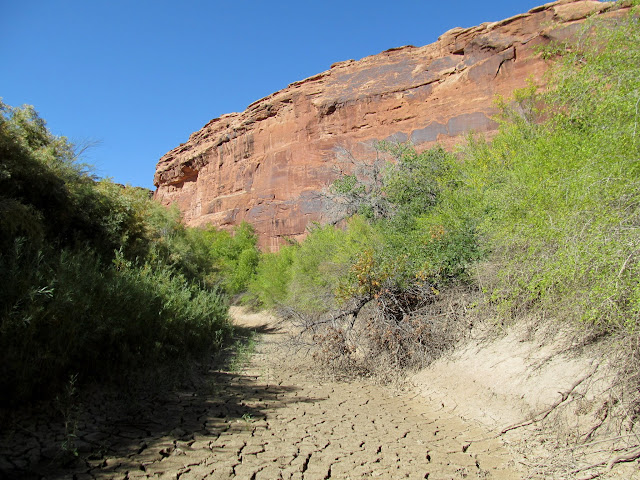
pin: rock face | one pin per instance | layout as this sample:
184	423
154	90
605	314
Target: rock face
267	164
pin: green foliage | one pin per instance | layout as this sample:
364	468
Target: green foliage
270	285
414	228
348	184
562	208
365	278
74	315
317	264
98	279
235	256
311	275
360	191
402	188
546	214
222	259
413	182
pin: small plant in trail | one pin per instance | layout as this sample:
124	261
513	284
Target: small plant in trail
67	404
242	350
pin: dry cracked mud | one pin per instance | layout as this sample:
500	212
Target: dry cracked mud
274	419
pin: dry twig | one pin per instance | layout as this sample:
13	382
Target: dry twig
628	456
545	413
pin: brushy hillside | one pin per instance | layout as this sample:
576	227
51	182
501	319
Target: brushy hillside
97	280
540	222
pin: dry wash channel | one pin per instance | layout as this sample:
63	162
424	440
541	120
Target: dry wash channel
275	418
299	426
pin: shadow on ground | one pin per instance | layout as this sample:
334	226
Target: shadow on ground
101	429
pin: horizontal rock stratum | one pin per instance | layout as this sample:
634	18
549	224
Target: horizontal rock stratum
267	164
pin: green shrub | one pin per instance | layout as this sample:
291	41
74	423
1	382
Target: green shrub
270	285
69	313
551	202
308	276
98	279
541	221
562	208
315	269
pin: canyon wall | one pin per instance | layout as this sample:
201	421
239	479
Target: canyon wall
267	164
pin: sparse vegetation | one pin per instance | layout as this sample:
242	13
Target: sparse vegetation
242	349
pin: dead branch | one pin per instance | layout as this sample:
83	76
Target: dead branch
604	413
545	413
625	457
597	442
591	477
629	456
308	323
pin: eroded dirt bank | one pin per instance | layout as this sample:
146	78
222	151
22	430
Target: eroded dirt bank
272	419
560	408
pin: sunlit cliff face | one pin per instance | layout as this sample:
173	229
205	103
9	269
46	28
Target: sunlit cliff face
267	164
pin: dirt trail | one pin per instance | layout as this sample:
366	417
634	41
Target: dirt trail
275	419
318	429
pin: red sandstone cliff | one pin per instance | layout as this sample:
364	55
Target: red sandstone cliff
265	165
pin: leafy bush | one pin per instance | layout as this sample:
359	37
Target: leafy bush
322	260
543	218
270	285
564	200
98	280
234	256
68	313
216	257
420	229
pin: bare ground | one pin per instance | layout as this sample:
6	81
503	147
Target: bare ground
275	418
478	412
556	405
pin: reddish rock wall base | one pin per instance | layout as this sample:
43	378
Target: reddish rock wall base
266	164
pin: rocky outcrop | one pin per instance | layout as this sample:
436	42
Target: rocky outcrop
267	164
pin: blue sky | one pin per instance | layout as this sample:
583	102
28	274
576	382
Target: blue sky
140	76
